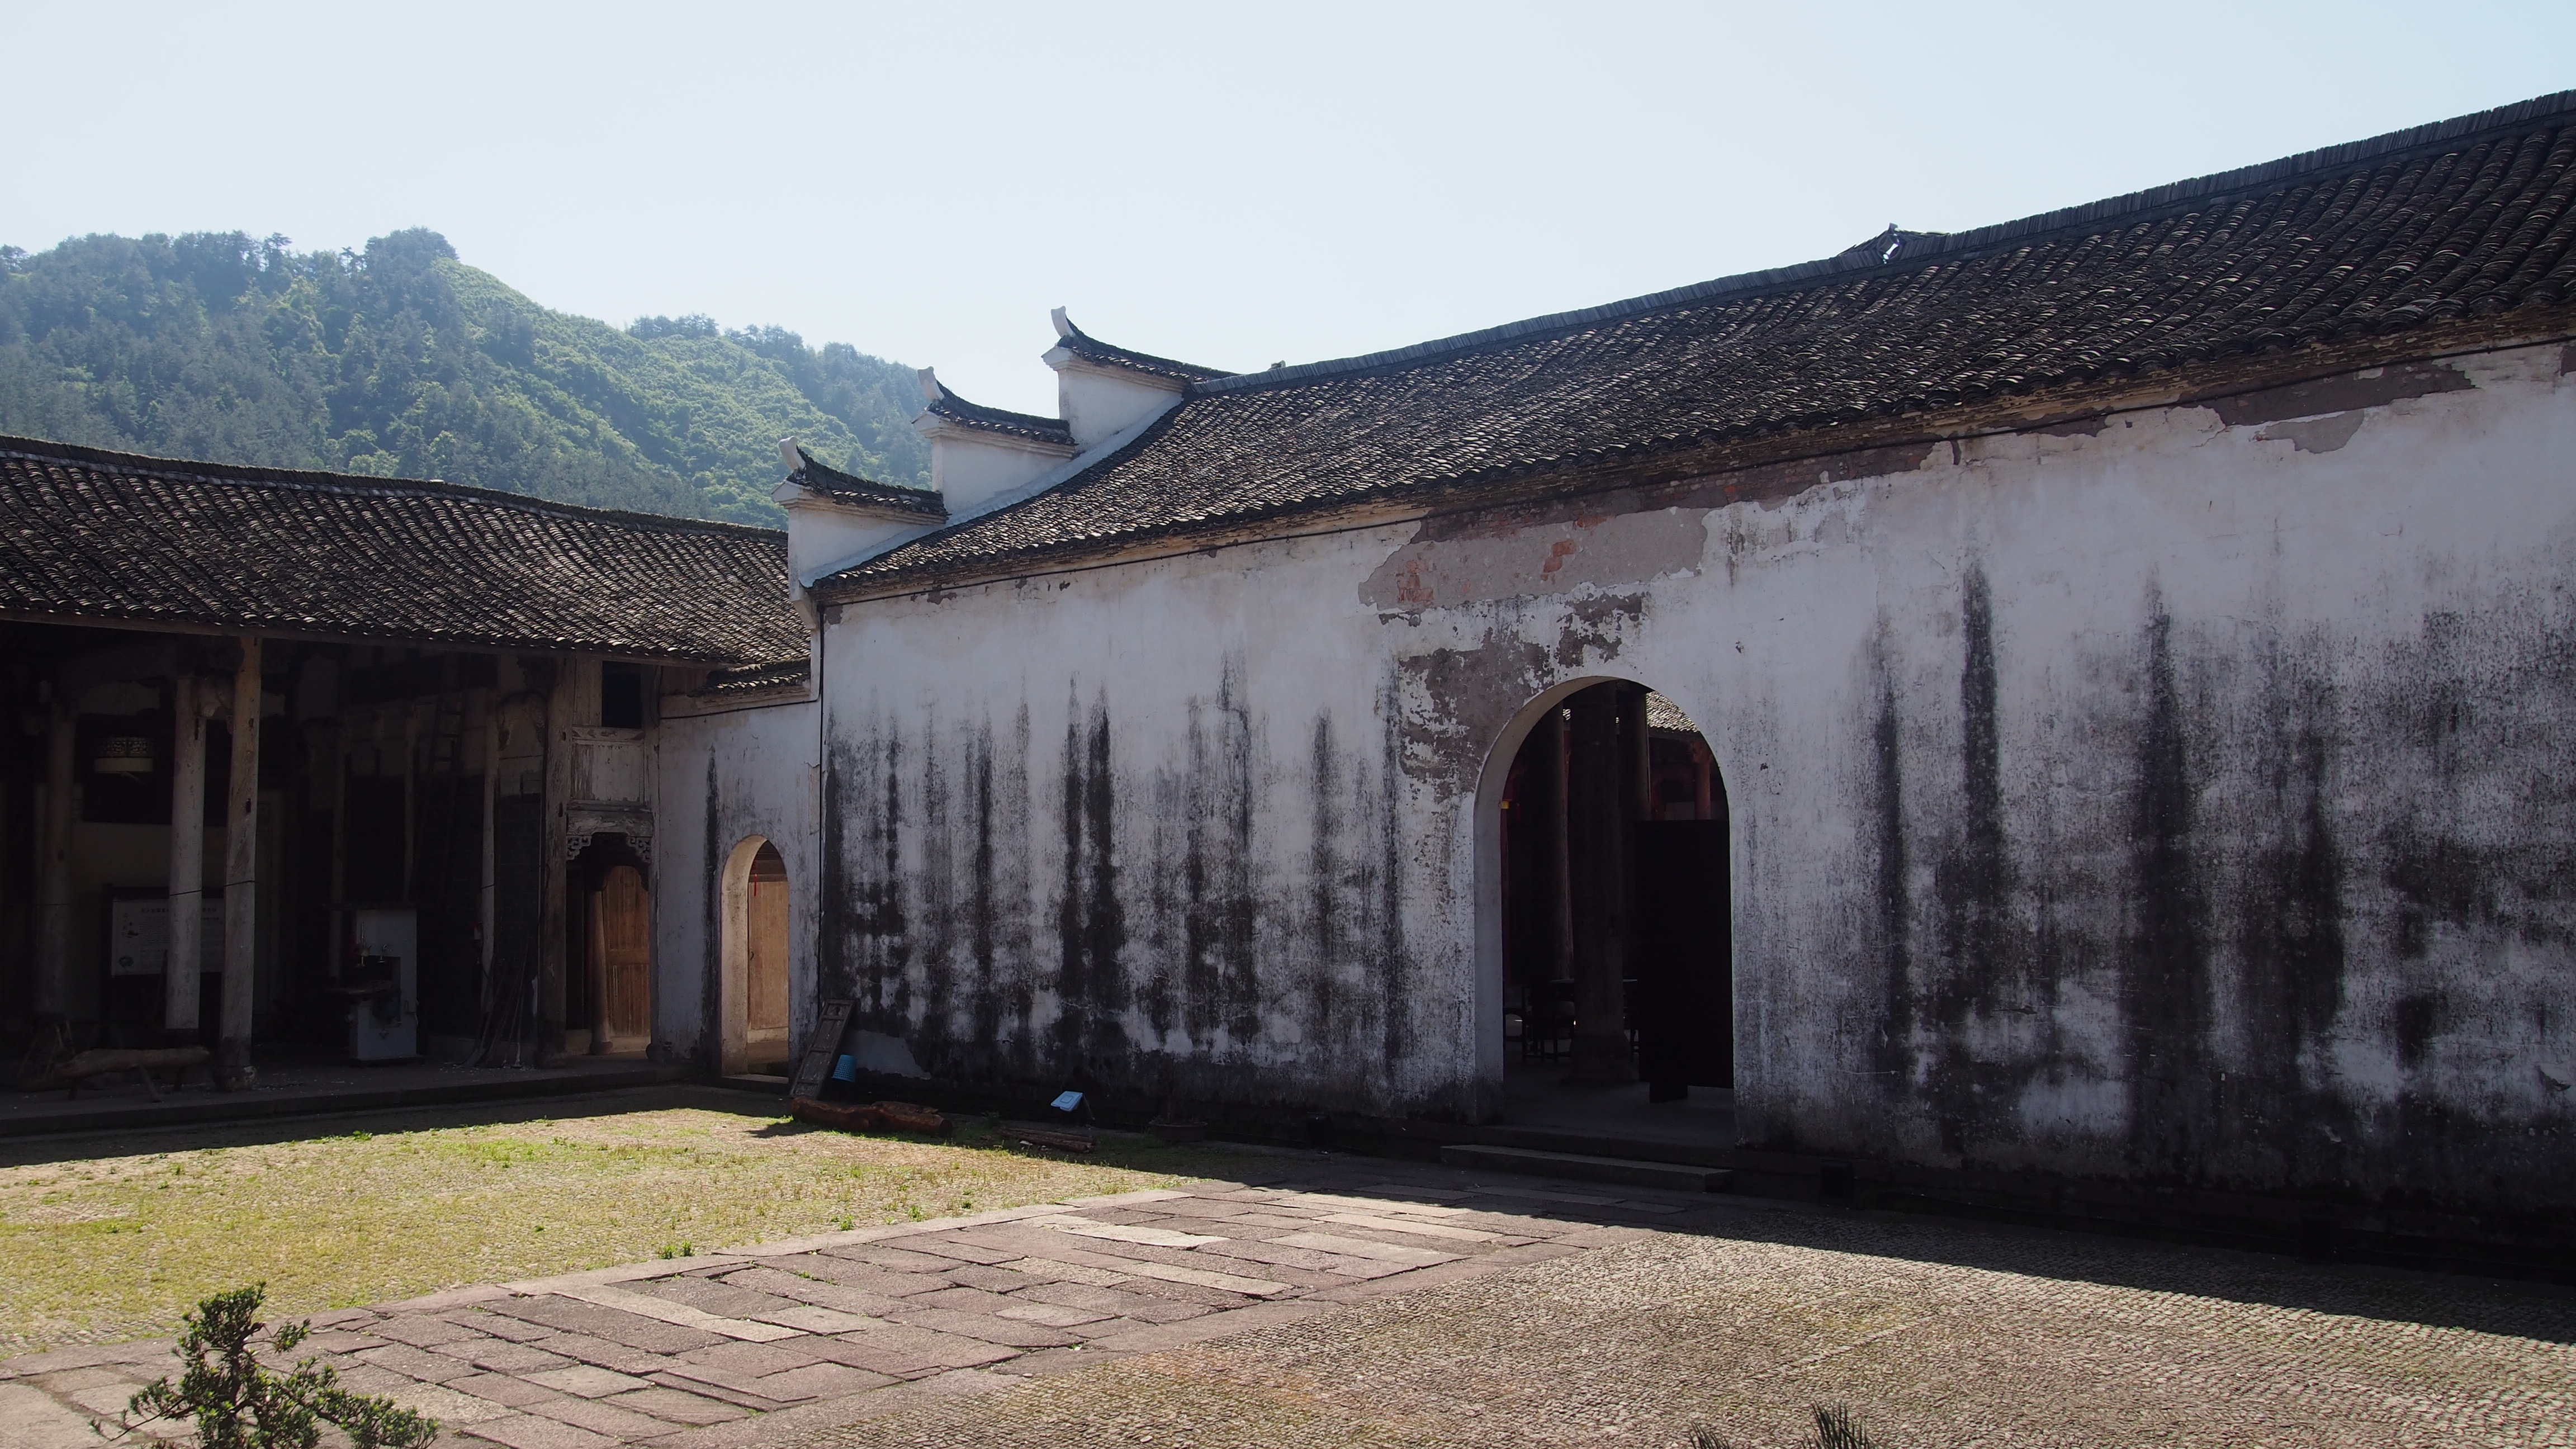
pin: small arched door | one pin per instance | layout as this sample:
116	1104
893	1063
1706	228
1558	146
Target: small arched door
756	944
765	961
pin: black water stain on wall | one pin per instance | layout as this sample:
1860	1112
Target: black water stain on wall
1091	920
984	993
835	921
1214	912
881	918
1236	908
1973	885
1893	1057
934	961
709	1050
2165	985
1324	946
1015	947
1201	975
1393	965
2290	944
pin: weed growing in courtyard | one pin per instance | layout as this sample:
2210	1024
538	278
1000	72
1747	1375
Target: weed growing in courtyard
238	1403
1834	1430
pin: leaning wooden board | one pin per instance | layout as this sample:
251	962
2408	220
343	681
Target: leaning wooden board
820	1048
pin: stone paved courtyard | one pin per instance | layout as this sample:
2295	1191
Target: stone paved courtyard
1357	1303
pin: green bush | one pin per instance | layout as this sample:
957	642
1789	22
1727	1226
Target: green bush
238	1403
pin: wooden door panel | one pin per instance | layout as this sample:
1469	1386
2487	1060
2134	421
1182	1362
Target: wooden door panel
767	966
626	940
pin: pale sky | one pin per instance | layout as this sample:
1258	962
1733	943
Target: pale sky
1227	184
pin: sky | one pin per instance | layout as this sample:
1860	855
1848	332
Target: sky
1229	184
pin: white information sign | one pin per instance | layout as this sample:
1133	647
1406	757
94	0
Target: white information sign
138	936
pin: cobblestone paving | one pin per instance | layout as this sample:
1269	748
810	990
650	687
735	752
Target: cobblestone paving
1362	1304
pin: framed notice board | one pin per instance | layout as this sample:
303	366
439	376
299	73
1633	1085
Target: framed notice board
138	933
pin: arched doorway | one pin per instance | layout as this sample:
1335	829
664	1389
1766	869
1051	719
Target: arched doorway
755	959
1613	887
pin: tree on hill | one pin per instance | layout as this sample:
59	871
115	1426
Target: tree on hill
402	360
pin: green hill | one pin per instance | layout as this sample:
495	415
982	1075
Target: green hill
404	360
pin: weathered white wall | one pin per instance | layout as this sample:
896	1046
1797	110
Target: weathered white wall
721	777
2163	798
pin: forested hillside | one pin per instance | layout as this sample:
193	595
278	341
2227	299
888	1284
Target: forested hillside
405	361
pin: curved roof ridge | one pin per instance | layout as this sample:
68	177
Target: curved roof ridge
1083	344
190	469
949	405
822	477
1920	247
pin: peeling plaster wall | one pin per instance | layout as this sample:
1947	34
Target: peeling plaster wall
2179	796
723	777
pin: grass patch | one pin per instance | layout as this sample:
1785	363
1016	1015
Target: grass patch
116	1247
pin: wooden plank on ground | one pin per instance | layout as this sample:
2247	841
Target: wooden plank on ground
820	1048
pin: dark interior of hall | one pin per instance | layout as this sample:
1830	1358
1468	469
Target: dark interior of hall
1618	958
377	768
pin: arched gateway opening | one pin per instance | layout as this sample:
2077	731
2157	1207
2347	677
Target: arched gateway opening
754	986
1616	942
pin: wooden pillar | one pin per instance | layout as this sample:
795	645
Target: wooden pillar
1597	817
233	1070
1547	811
1636	754
179	974
484	898
50	991
551	919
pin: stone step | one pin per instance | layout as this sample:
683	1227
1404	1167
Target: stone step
1578	1167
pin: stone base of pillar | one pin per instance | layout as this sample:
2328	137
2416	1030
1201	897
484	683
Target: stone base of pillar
1600	1061
233	1069
550	1048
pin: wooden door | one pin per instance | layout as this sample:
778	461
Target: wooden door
626	953
765	966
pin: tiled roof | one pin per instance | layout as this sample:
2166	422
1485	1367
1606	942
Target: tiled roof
946	404
2262	269
103	537
861	492
1082	344
1663	714
751	679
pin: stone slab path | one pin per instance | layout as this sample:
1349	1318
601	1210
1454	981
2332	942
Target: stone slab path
814	1331
1350	1303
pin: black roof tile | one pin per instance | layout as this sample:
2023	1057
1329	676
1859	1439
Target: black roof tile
752	679
1082	344
861	492
88	535
2455	221
994	420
